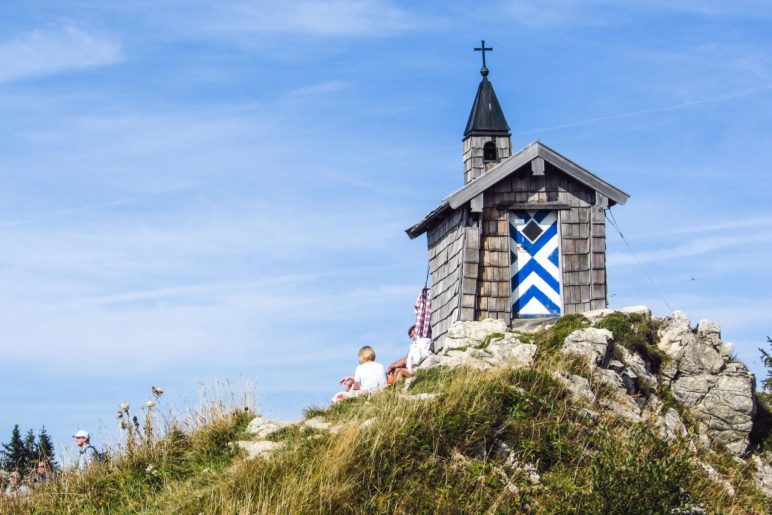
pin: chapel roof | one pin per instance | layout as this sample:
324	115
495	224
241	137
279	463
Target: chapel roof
506	168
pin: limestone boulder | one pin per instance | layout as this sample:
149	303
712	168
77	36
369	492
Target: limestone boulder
261	427
665	419
637	369
719	392
260	449
475	331
593	344
763	467
512	354
578	386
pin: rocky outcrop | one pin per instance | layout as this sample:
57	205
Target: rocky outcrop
764	473
702	377
258	449
482	345
595	345
665	418
699	372
261	427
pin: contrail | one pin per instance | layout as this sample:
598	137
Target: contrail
683	105
103	205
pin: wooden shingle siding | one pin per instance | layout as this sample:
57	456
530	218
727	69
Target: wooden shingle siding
446	252
474	165
583	241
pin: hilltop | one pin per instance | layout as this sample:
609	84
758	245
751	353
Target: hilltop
611	412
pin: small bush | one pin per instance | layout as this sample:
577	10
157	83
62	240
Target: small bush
639	473
637	334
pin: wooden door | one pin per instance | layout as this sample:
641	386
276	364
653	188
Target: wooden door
535	257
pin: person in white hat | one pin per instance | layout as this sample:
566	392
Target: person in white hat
87	453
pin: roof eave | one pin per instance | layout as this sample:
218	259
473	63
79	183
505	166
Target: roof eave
424	225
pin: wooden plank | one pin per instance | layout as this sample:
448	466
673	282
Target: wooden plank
502	187
496	273
476	204
469	286
466	314
601	200
537	166
503	199
553	206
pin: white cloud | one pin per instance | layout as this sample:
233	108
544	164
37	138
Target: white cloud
555	13
325	18
734	225
54	50
691	248
688	104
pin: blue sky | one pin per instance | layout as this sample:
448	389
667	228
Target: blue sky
203	191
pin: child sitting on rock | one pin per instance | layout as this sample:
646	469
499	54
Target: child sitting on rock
368	376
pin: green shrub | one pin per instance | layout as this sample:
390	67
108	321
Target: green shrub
637	334
549	340
639	473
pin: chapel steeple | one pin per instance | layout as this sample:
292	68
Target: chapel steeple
486	137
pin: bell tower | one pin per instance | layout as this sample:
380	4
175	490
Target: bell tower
486	137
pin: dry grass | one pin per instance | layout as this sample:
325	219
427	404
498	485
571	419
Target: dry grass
418	456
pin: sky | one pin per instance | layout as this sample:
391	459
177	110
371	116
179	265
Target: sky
213	194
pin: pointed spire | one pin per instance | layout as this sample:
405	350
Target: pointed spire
486	117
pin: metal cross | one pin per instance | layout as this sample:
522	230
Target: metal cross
483	49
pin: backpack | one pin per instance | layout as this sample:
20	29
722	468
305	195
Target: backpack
100	457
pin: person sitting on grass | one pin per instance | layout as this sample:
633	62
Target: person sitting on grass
15	487
368	376
419	350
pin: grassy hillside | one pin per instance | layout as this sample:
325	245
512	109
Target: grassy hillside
457	441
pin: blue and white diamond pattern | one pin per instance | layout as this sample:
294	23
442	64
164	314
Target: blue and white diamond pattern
535	259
